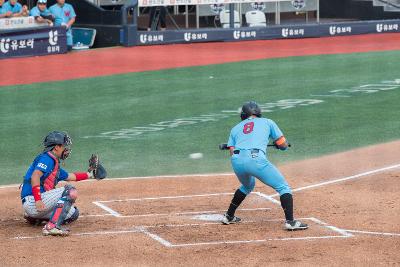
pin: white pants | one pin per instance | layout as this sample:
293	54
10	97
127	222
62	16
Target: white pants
49	199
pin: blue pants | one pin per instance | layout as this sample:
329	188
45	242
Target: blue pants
69	37
248	166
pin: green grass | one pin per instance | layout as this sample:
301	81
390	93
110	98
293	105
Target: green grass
88	107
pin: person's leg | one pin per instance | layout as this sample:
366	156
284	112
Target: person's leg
237	199
69	40
247	185
152	12
271	176
163	15
72	215
61	211
49	199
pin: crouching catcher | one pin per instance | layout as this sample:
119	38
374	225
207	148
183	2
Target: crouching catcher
41	200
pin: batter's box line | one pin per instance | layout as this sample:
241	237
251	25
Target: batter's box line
166	243
95	233
168	214
100	204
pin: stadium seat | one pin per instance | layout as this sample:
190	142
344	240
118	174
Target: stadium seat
256	18
224	18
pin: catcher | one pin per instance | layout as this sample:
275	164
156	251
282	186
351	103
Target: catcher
41	200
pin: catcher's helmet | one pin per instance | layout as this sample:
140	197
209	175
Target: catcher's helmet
250	108
58	138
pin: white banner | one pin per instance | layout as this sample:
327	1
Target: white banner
20	23
144	3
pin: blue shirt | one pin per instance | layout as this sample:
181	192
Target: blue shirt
2	10
14	9
45	164
36	12
254	133
62	14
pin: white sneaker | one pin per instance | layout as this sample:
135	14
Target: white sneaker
295	225
54	231
230	219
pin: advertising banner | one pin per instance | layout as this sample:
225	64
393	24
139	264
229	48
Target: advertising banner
33	42
266	33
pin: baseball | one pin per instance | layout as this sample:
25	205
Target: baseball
196	155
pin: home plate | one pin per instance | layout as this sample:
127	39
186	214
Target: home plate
209	217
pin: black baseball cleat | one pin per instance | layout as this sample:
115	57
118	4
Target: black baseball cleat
230	219
295	225
34	221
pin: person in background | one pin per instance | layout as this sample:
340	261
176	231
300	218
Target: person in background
3	12
16	9
161	12
64	15
41	13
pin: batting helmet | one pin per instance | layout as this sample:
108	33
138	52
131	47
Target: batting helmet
250	108
58	138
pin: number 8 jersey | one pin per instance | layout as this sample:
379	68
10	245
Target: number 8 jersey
253	133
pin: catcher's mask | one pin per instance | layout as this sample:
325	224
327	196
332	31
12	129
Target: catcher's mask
250	108
58	138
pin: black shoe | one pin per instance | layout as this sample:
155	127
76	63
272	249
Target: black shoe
230	219
295	225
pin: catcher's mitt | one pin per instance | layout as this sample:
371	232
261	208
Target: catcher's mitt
99	172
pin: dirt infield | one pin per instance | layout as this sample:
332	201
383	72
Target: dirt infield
350	201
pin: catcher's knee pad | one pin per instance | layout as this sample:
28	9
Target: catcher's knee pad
73	217
70	193
61	210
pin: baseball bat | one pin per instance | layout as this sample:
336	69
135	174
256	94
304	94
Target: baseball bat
224	146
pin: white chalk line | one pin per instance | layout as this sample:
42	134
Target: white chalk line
333	228
332	181
372	233
116	232
114	213
109	210
156	237
165	197
169	214
257	241
269	198
344	233
203	175
341	233
143	229
174	176
137	229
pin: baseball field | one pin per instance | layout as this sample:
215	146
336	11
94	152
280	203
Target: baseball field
335	99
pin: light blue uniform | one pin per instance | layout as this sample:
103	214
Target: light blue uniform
250	139
2	10
13	8
36	12
63	15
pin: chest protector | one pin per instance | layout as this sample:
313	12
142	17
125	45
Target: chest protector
50	181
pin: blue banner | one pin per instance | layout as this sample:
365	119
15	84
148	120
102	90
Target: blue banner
33	42
265	33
